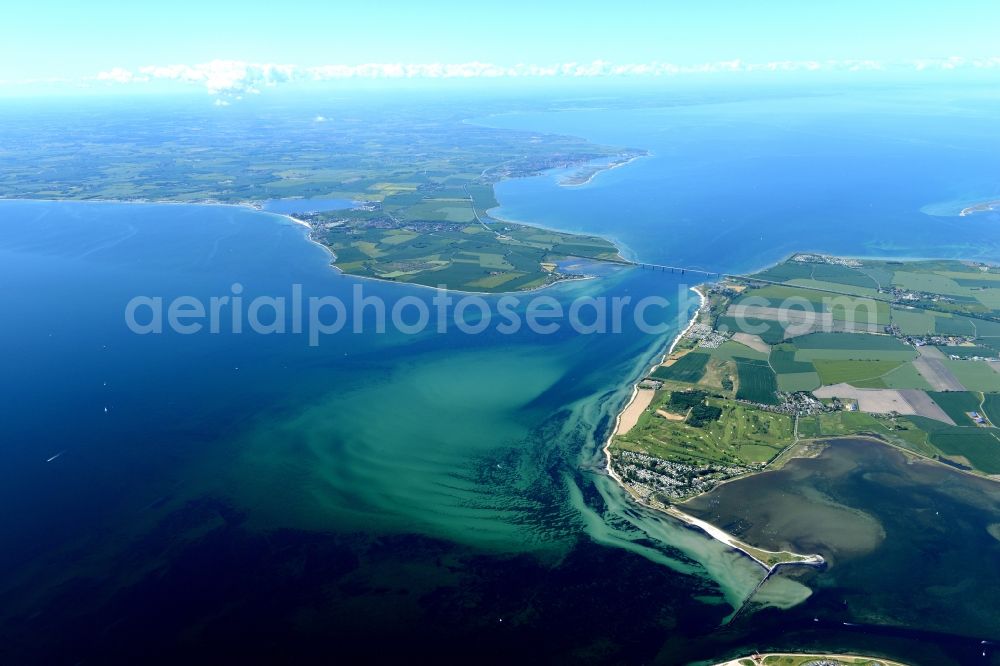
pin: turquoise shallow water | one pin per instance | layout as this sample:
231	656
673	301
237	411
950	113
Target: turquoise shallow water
488	442
438	493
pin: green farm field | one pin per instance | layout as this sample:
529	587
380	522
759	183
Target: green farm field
957	404
851	372
975	375
945	300
741	435
688	368
757	383
467	257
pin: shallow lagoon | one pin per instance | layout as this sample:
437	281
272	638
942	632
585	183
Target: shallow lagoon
907	541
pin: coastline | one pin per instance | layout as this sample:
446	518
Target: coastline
712	531
150	202
769	560
635	387
702	302
982	207
620	246
256	207
859	257
599	170
333	265
797	447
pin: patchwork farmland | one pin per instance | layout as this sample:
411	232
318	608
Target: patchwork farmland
908	352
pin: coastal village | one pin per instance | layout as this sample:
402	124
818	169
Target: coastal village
815	348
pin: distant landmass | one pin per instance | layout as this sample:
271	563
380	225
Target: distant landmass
422	197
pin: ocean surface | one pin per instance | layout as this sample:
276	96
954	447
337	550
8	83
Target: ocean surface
739	184
253	497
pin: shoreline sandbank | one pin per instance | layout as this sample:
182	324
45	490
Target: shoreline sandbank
627	418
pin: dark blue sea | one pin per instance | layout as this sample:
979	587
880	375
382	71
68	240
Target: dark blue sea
242	496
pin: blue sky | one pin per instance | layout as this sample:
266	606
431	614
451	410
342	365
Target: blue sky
73	42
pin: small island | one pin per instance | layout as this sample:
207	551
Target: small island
818	347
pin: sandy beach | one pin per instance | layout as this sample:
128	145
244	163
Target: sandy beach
599	170
756	554
626	420
702	302
634	409
255	206
632	406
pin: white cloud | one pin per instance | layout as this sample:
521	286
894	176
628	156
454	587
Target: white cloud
234	78
224	76
954	63
120	75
